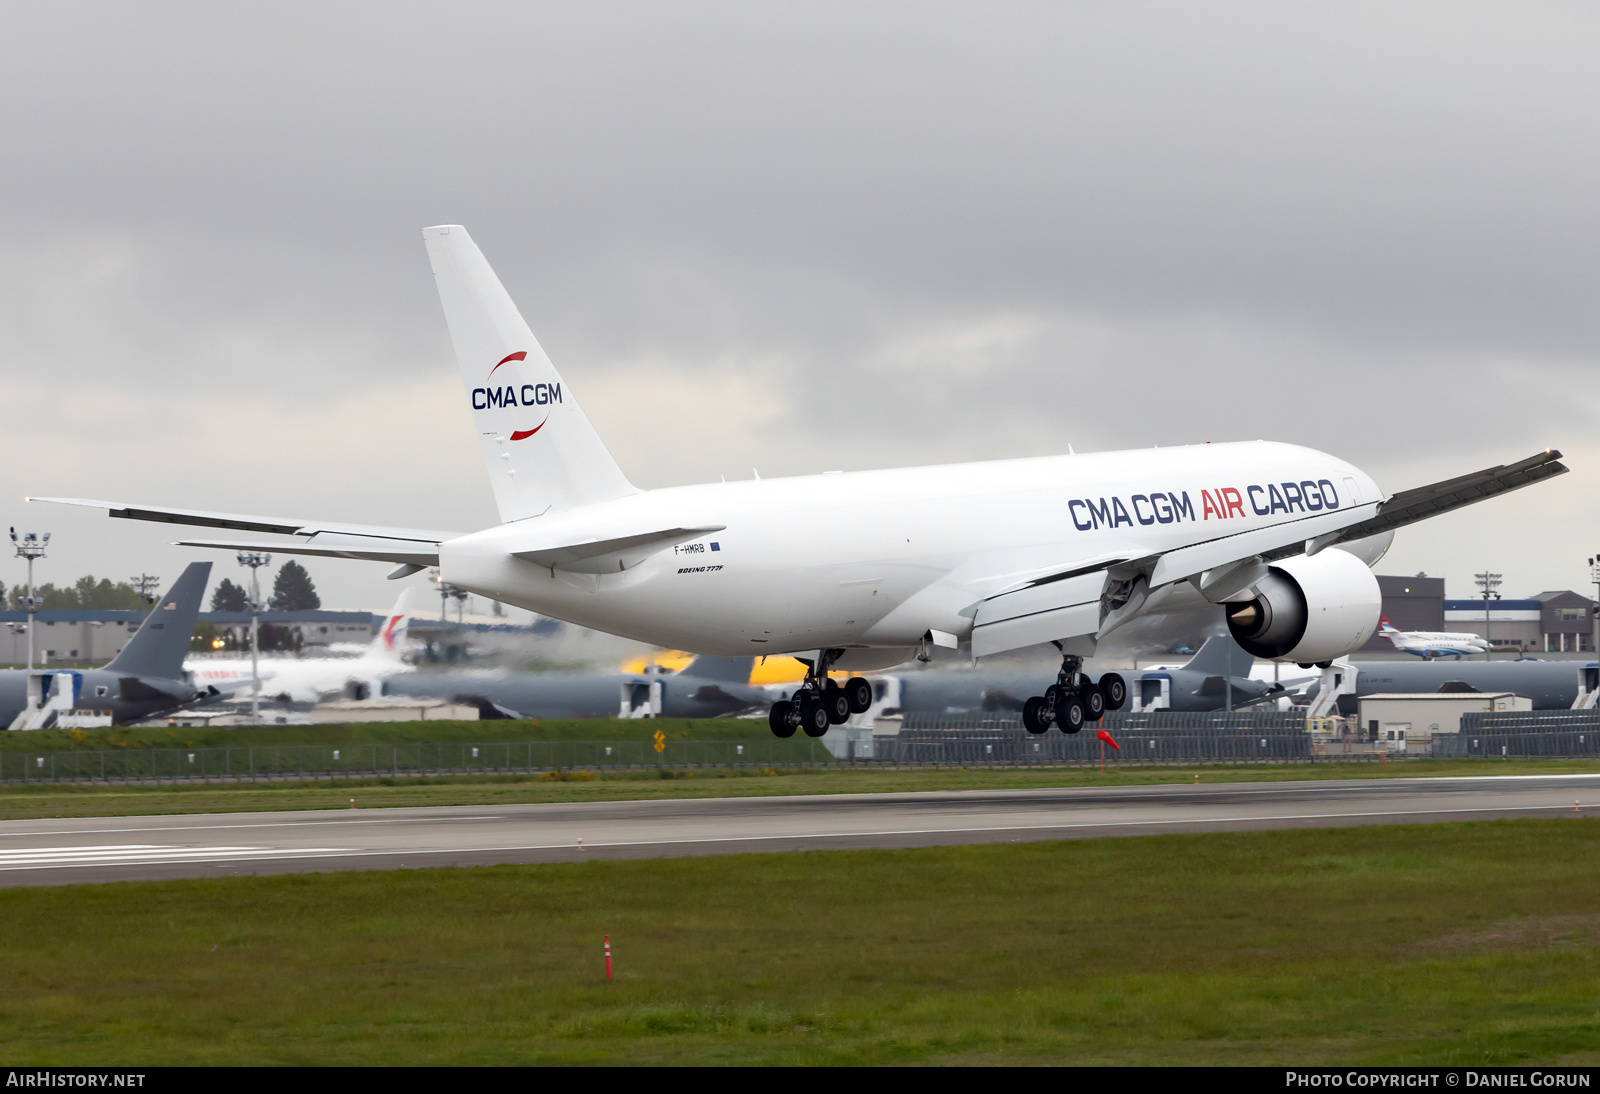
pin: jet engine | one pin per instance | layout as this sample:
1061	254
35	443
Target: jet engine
1308	609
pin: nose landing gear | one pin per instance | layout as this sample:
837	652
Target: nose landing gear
1073	699
820	702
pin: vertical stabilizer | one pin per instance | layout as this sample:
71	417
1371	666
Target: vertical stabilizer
542	453
391	638
158	647
1221	656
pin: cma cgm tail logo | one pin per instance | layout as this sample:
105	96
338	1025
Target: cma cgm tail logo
493	396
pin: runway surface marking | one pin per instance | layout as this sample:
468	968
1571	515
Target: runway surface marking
37	858
56	851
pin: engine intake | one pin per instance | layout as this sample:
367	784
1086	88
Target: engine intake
1308	609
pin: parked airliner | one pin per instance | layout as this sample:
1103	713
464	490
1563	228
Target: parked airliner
308	679
864	569
1430	644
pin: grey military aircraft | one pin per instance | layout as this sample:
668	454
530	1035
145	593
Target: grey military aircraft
1552	685
1200	684
708	687
145	680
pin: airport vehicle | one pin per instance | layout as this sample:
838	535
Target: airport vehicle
860	570
307	679
145	680
708	687
1430	644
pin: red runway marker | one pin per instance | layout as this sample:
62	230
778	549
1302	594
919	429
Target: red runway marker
608	959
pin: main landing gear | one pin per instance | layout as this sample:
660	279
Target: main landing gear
820	702
1073	699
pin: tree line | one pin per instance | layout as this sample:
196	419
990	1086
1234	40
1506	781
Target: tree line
292	591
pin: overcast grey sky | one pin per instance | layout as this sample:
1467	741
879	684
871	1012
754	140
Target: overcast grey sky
796	237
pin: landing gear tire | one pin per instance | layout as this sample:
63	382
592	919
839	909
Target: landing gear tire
1035	715
1115	689
1069	713
778	719
859	691
813	718
837	702
1093	700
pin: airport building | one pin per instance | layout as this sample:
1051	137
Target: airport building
1559	621
1412	604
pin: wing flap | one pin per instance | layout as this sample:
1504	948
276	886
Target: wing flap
1050	612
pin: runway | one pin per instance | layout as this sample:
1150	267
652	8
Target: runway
99	849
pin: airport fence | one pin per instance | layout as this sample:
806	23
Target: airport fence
312	761
1554	734
1136	746
1144	740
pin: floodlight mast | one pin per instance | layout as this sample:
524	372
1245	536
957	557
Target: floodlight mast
30	546
255	560
1487	582
1594	576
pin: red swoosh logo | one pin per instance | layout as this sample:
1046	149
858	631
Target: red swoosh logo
520	355
524	434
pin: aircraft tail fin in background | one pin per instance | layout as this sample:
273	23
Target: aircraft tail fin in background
1221	656
158	647
542	453
391	637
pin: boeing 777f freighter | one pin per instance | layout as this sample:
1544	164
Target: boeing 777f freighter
860	570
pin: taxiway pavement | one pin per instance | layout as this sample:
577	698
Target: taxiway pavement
98	849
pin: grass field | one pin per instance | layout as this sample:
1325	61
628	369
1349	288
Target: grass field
27	801
1442	944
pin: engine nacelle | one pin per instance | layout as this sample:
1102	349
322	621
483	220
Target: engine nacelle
1308	609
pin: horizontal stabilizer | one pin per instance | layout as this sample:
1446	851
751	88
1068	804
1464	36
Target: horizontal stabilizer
285	526
399	552
608	556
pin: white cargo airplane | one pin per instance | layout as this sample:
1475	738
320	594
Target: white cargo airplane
860	570
1430	644
308	679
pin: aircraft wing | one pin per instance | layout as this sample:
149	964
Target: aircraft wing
1068	603
1422	502
1322	530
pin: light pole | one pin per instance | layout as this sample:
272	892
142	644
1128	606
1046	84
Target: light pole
146	585
1594	576
30	547
1488	583
255	560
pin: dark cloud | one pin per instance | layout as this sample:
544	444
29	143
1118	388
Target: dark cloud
804	237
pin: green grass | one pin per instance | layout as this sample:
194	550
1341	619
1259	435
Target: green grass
1441	944
362	733
33	800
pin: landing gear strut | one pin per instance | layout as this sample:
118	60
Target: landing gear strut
820	702
1073	699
